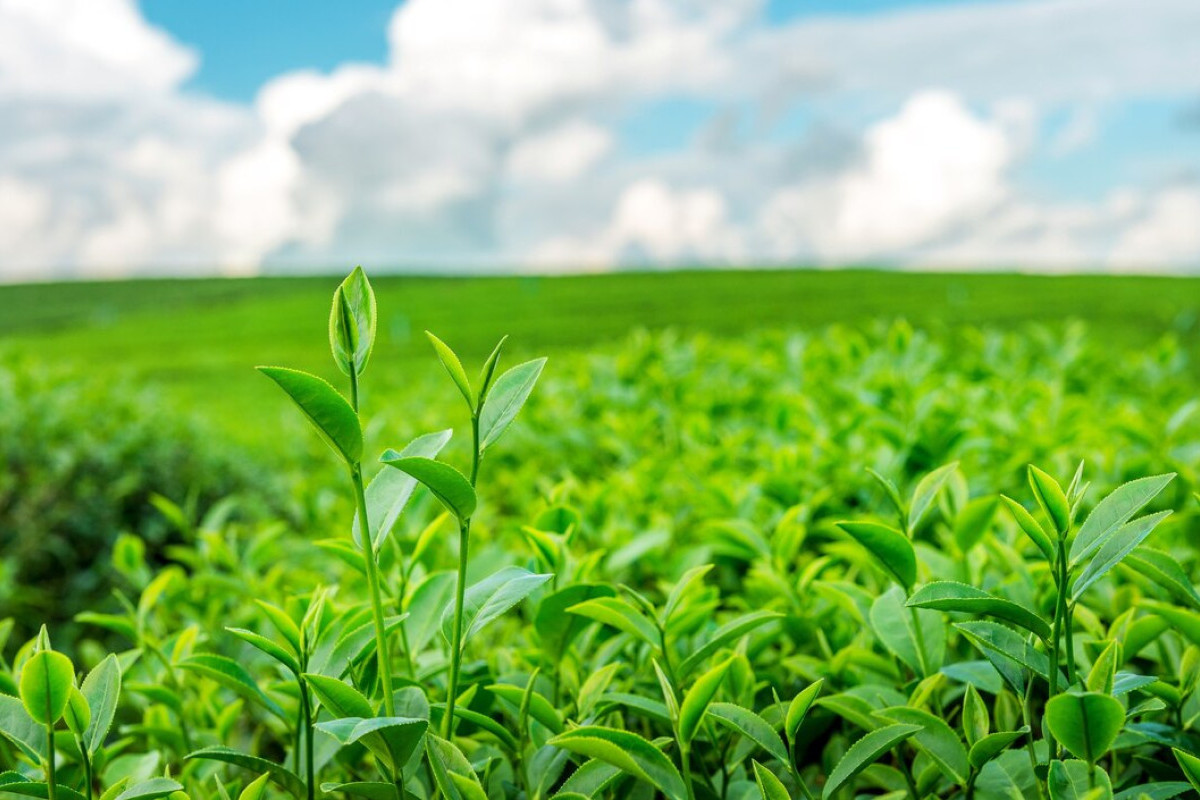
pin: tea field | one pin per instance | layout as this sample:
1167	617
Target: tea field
740	535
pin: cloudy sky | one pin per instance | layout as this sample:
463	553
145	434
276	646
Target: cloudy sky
169	137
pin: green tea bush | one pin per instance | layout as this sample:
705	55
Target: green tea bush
789	565
83	462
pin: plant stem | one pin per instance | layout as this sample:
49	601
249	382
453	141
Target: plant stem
368	551
464	538
464	545
684	761
51	781
87	767
306	712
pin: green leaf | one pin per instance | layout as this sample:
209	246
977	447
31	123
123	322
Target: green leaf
539	707
102	688
487	600
889	546
402	734
696	700
1184	621
936	739
283	623
352	322
1075	780
155	787
389	492
46	681
505	400
231	675
454	367
327	410
995	639
489	369
1104	669
1114	511
896	627
974	520
1051	498
1190	765
451	770
256	789
19	728
628	752
1166	572
342	699
1086	723
864	753
617	613
723	636
269	647
447	484
556	628
283	776
770	787
926	492
798	708
372	790
77	715
750	725
1116	547
976	721
959	597
1031	528
27	788
993	745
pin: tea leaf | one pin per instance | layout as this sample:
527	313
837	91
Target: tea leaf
770	787
102	689
936	739
491	597
280	774
952	596
750	725
454	367
1076	780
1114	511
889	546
1086	723
389	492
628	752
446	483
1051	498
864	753
1115	548
327	410
926	492
696	700
619	614
505	400
46	682
352	323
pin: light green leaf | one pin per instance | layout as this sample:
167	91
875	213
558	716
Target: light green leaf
1074	780
936	739
616	613
46	681
454	367
926	492
1051	498
155	787
389	491
993	745
1164	570
890	547
770	787
959	597
490	598
447	484
231	675
1116	547
102	688
1031	528
327	410
864	753
508	394
724	636
896	626
1114	511
280	774
798	708
628	752
696	700
750	725
1086	723
1190	765
352	323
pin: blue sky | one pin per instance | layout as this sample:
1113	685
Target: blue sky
167	137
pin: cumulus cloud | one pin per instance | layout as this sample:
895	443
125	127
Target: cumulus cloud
501	135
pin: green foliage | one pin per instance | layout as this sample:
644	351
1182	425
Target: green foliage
677	578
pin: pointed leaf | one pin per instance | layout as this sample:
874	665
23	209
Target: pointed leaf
102	688
959	597
46	681
327	410
864	753
926	492
750	725
454	367
505	400
890	547
696	700
352	323
1114	511
447	484
389	492
490	598
1116	547
628	752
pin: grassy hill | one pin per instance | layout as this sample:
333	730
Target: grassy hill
197	339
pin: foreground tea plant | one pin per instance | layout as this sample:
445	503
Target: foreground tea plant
677	584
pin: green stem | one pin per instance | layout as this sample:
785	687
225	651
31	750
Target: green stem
464	538
684	761
306	712
87	767
408	655
51	780
1070	643
368	551
908	777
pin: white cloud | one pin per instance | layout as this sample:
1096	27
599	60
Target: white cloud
496	134
560	154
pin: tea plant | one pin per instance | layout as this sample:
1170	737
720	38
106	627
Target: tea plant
666	588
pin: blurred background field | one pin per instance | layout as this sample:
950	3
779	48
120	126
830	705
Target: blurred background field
196	341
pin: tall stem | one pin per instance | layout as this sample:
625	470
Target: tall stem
685	758
306	712
51	782
464	546
464	538
87	767
368	551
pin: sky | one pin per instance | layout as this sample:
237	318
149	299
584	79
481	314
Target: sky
165	137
